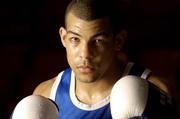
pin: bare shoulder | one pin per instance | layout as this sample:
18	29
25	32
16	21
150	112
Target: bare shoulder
160	83
44	88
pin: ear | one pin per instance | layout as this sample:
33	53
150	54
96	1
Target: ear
62	33
120	40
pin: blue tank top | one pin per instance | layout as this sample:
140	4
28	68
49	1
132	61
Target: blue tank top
68	110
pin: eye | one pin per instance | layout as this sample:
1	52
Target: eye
99	42
74	39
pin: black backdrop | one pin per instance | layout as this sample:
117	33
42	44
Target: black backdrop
31	52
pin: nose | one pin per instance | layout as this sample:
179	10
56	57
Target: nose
86	51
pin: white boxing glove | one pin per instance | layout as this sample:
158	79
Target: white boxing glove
35	107
128	97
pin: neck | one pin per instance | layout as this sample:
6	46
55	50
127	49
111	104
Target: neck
91	93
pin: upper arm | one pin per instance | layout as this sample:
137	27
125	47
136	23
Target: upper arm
160	83
44	88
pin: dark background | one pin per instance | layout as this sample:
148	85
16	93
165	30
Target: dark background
31	52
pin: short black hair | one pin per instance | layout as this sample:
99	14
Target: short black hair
95	9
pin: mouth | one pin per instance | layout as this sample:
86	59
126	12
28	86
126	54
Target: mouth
85	69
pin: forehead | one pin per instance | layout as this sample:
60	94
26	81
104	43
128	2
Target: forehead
98	25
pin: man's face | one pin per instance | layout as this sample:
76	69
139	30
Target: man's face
90	47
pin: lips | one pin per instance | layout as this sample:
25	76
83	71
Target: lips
85	69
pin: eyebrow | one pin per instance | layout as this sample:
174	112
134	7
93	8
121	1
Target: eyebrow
104	33
71	32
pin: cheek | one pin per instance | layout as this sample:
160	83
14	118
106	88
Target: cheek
71	54
105	58
108	56
107	53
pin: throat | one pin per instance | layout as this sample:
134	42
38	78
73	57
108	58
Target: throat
91	99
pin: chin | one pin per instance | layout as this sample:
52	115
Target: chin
86	79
